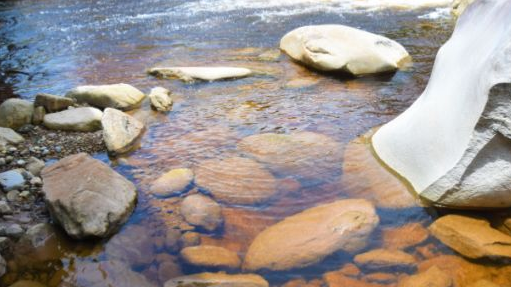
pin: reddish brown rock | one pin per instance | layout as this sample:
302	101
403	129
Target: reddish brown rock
218	279
365	177
385	258
380	278
405	236
336	279
236	180
350	270
471	237
306	155
433	277
210	256
308	237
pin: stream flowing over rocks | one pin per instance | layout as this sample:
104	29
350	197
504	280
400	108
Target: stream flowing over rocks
246	165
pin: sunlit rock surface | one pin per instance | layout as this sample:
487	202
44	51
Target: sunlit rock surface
453	144
120	130
459	6
118	96
190	74
308	237
340	48
85	119
471	237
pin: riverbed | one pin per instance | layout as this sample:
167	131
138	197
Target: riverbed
52	46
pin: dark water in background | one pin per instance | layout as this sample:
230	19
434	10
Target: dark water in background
51	46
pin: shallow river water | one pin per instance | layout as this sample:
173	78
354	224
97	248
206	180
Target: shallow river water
51	46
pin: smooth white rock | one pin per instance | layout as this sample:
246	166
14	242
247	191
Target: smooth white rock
441	144
160	99
84	119
9	136
342	48
189	74
119	96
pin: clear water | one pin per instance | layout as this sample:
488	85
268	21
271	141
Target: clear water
51	46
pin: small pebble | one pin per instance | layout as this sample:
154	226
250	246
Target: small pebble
5	208
9	159
21	162
2	161
13	195
58	149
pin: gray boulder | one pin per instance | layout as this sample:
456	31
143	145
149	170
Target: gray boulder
87	197
85	119
15	113
118	96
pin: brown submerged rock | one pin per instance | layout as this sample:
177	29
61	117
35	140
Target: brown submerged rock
433	277
385	258
132	246
365	177
172	182
471	237
307	237
336	279
87	197
210	256
483	283
108	273
218	280
200	210
405	236
236	180
464	273
306	155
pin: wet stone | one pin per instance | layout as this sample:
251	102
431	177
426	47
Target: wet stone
3	266
11	230
12	179
405	236
210	256
172	238
433	277
218	279
379	259
200	210
5	208
35	166
172	182
190	239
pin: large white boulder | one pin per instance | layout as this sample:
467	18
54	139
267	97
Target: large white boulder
454	143
118	96
341	48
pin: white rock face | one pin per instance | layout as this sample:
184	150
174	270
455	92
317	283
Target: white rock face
190	74
453	144
341	48
120	130
119	96
160	99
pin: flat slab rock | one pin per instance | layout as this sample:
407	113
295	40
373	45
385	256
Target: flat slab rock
307	237
84	119
218	280
471	237
378	259
342	48
118	96
87	197
189	74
